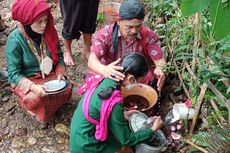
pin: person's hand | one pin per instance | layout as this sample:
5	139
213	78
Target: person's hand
127	114
113	71
157	123
160	78
60	77
38	89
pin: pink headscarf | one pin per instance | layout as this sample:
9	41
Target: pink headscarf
27	11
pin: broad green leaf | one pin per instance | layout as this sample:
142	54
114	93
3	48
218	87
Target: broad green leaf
228	91
220	18
190	7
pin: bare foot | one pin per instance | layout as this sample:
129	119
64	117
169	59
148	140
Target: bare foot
87	50
87	44
68	59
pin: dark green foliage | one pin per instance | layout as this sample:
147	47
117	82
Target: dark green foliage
216	140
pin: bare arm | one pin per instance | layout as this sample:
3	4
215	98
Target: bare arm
160	64
106	70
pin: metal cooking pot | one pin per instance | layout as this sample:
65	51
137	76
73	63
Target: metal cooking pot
136	122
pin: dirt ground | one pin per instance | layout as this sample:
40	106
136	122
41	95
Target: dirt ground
20	132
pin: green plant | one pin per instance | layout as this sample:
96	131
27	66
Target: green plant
219	14
201	138
216	140
202	41
100	17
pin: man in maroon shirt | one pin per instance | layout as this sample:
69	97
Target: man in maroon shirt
126	36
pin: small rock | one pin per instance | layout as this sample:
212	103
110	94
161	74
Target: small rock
51	133
36	150
4	124
7	143
31	141
60	140
38	133
44	149
21	131
61	128
6	131
9	106
5	98
17	142
1	136
28	151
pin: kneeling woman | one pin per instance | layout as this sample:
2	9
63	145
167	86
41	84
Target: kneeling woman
100	123
33	57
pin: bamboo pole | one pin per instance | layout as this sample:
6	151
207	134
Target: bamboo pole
198	106
219	94
212	102
196	23
214	90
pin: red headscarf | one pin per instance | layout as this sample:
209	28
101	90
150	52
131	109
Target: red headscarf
27	11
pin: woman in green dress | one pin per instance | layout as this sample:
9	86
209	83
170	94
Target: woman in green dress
100	122
33	57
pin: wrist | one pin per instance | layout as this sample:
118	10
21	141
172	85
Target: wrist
153	130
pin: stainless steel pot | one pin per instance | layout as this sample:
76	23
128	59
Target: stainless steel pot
136	122
145	148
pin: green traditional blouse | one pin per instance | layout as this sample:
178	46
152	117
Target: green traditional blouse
82	139
21	60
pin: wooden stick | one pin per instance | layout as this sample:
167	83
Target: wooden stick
219	94
196	146
198	106
181	80
214	90
196	23
212	102
190	70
